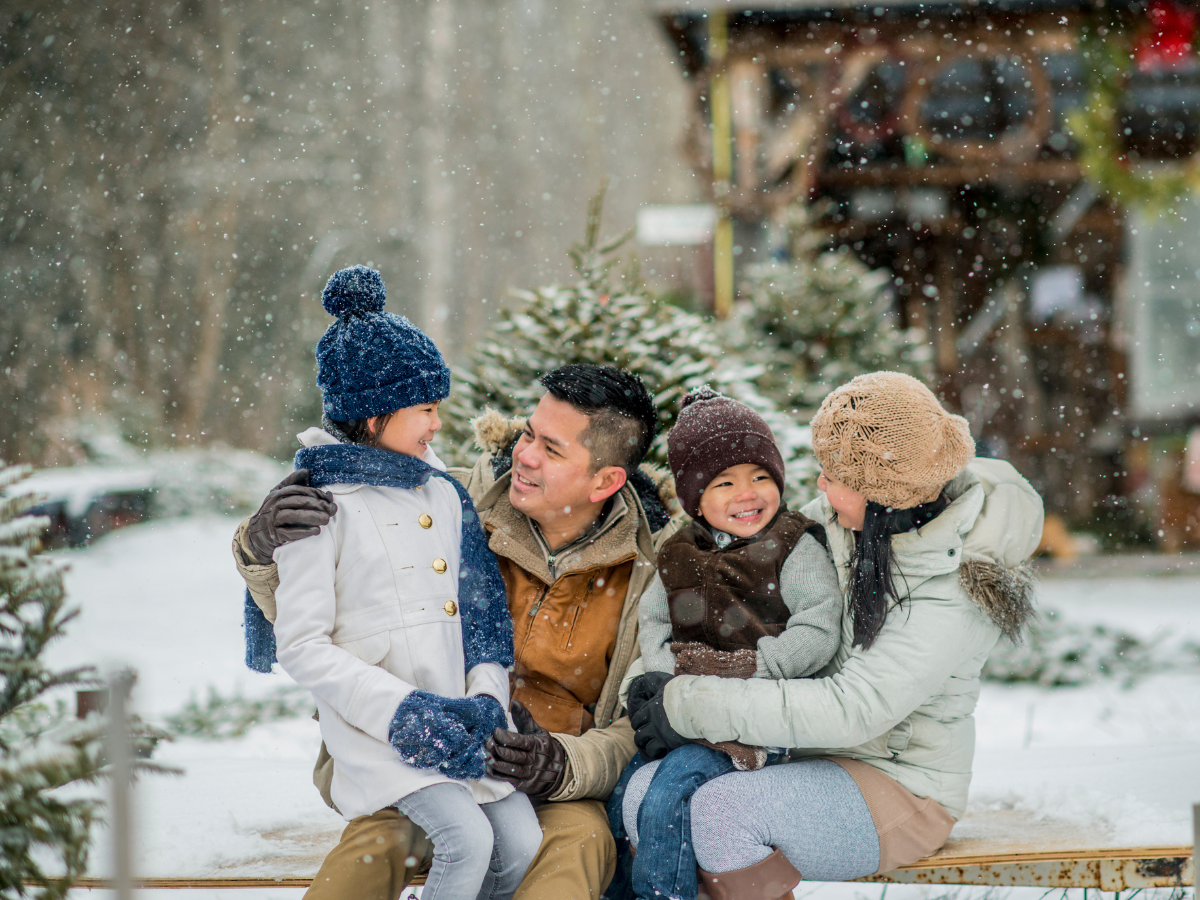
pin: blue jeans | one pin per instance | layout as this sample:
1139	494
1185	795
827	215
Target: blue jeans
621	887
665	865
479	850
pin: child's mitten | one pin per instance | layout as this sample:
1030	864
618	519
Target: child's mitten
486	715
430	732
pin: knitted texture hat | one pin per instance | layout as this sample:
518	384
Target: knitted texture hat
712	433
886	436
371	362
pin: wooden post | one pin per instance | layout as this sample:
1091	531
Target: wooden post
437	204
88	702
1195	845
120	756
722	153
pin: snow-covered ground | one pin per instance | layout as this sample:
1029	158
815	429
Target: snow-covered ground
1092	766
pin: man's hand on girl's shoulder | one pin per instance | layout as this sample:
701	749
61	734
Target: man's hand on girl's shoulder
291	511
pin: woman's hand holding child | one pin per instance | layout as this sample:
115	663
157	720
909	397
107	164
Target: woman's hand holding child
645	688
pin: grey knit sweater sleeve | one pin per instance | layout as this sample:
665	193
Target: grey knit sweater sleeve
654	629
810	589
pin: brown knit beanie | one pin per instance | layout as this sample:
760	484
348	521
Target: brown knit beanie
712	433
886	436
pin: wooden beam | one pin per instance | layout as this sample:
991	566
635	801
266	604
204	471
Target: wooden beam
945	175
721	110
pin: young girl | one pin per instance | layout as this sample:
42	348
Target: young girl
394	616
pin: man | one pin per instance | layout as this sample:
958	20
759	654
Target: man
575	525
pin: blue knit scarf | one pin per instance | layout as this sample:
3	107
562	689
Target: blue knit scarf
487	629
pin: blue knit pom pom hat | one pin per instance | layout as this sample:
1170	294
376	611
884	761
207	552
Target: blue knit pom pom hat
371	362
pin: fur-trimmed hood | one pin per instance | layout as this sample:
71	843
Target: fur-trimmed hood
998	541
496	434
1003	595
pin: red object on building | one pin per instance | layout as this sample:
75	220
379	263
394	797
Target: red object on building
1169	42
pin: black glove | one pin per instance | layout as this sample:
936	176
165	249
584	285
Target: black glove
644	687
528	758
653	733
292	510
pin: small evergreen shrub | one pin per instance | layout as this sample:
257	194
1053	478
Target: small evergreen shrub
818	319
44	838
601	320
220	718
1055	653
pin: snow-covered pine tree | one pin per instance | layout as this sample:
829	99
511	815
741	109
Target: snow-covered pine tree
598	320
44	838
817	320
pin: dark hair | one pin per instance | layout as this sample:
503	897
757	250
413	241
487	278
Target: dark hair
872	585
358	431
622	418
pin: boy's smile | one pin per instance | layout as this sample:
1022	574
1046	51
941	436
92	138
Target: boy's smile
741	500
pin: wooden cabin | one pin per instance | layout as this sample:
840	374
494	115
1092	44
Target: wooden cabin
942	142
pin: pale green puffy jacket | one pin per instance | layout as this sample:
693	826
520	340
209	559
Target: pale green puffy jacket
906	704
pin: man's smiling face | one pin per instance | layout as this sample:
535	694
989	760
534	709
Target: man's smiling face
553	473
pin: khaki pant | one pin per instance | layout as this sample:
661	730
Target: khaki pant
578	856
376	859
379	855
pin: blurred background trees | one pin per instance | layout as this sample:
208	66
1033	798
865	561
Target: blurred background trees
178	179
1008	218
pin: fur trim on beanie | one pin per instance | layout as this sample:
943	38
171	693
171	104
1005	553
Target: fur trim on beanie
713	433
371	362
886	436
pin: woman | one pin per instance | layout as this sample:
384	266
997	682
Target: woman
929	546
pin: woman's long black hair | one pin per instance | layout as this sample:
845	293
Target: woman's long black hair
872	568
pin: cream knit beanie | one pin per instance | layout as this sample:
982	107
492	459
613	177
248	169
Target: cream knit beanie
886	436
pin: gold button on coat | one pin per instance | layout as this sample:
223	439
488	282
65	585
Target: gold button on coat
451	607
425	520
439	565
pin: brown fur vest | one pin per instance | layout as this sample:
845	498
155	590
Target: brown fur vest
728	598
723	601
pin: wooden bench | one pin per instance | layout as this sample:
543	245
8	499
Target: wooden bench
1108	870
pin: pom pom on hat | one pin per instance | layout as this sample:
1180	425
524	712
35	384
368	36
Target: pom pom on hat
356	291
695	394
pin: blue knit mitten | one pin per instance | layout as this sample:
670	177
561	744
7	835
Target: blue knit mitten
431	732
486	716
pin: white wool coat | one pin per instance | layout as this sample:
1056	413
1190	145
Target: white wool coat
906	704
365	617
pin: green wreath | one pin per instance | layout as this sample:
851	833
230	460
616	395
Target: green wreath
1149	187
